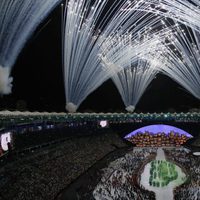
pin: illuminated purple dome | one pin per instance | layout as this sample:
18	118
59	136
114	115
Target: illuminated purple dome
159	128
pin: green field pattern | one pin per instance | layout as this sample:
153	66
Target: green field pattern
162	173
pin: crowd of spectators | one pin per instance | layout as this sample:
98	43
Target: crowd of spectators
159	139
44	173
121	178
191	165
31	135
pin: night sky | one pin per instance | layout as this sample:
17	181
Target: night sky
38	81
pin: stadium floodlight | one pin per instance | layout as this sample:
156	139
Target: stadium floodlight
18	19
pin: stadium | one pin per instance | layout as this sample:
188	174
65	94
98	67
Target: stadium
59	156
99	100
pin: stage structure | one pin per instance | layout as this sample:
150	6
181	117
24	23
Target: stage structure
158	135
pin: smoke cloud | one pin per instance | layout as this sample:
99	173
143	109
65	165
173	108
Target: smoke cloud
130	108
70	107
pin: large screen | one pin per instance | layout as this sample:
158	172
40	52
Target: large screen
6	140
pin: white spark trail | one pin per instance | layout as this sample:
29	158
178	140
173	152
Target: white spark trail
184	62
18	20
84	33
183	11
133	63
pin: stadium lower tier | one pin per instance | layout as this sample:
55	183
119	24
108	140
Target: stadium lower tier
91	166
